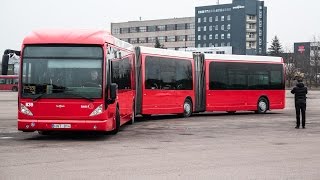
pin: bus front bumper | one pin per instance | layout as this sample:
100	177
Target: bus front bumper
29	125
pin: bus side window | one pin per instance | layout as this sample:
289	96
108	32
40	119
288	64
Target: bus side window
2	81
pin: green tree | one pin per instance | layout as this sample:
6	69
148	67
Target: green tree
158	45
275	48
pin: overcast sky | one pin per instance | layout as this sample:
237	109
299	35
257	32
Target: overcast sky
291	20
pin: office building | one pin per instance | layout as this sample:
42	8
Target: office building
241	25
172	33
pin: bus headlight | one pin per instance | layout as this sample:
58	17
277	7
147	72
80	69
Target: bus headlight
97	111
25	110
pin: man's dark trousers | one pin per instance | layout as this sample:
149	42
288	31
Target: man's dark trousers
301	106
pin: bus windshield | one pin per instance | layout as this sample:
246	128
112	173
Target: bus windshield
62	72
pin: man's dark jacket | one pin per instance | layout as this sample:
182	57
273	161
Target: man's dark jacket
300	92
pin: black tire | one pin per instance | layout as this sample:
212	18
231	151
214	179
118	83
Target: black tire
231	112
146	115
262	106
14	88
116	130
187	108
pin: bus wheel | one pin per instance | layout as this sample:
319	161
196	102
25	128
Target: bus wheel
14	88
116	130
262	106
187	108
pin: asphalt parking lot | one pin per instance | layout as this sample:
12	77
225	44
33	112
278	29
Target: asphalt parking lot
205	146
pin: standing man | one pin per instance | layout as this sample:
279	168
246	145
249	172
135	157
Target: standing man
300	100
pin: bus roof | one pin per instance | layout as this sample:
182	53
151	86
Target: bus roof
165	52
248	58
98	37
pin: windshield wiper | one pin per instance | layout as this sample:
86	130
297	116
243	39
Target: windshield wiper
79	95
38	97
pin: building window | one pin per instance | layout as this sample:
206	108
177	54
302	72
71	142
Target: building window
162	39
151	28
171	27
204	45
210	19
124	30
143	29
222	36
217	18
220	52
199	37
171	38
181	26
151	39
229	17
116	31
228	35
133	30
199	20
228	44
161	28
204	37
222	44
204	19
222	18
216	36
190	26
181	38
216	45
142	40
210	28
217	27
229	26
222	27
199	28
205	28
191	37
199	45
210	36
134	40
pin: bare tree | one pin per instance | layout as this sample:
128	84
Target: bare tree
290	67
315	58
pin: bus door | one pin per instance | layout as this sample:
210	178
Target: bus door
159	95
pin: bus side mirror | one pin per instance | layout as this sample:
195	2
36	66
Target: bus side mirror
113	91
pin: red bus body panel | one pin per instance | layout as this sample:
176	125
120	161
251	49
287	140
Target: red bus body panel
157	101
240	100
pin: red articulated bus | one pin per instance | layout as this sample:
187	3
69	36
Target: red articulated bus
9	82
92	81
66	82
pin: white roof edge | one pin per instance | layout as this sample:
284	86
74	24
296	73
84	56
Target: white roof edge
243	58
165	52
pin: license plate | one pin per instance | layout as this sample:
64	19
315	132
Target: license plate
62	126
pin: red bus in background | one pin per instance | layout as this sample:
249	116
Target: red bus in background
9	82
244	83
67	82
